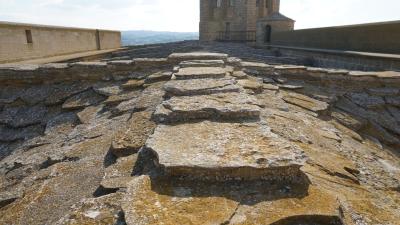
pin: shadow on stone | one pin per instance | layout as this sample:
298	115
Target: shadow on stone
246	192
109	159
310	220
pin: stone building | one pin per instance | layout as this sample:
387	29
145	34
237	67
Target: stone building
241	20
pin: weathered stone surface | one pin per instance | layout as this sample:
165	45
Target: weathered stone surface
169	207
200	87
395	112
22	116
202	63
253	85
209	150
387	91
348	120
13	134
82	100
306	102
200	72
270	87
61	124
127	95
103	210
143	63
178	57
217	106
89	113
291	86
393	100
147	100
133	84
239	75
257	66
157	77
131	138
365	100
123	167
63	91
7	198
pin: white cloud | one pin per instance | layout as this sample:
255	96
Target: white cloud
183	15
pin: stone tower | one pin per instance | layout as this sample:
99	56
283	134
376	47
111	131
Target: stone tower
237	20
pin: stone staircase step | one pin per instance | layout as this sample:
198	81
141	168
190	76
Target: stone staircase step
225	106
253	202
200	87
222	151
200	73
202	63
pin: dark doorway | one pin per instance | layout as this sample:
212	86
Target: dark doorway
227	31
268	30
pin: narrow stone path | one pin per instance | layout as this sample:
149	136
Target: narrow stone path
213	150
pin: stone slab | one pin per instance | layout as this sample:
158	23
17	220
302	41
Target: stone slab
202	63
240	203
306	102
217	106
200	72
197	56
200	87
211	150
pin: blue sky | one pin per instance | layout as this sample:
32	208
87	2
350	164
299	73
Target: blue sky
183	15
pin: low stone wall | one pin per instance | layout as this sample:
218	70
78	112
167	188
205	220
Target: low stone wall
341	59
27	41
374	37
56	72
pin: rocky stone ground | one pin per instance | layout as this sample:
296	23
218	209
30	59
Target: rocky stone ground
206	139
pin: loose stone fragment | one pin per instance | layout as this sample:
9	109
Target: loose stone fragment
200	72
156	77
89	113
239	75
252	85
211	150
133	84
149	99
200	87
202	63
217	106
131	138
107	89
82	100
306	102
116	99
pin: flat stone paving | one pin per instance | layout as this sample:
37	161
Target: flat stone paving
200	72
202	63
200	87
214	150
216	106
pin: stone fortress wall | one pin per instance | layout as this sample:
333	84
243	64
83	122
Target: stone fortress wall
373	37
27	41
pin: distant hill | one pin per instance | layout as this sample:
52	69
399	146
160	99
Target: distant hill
141	37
